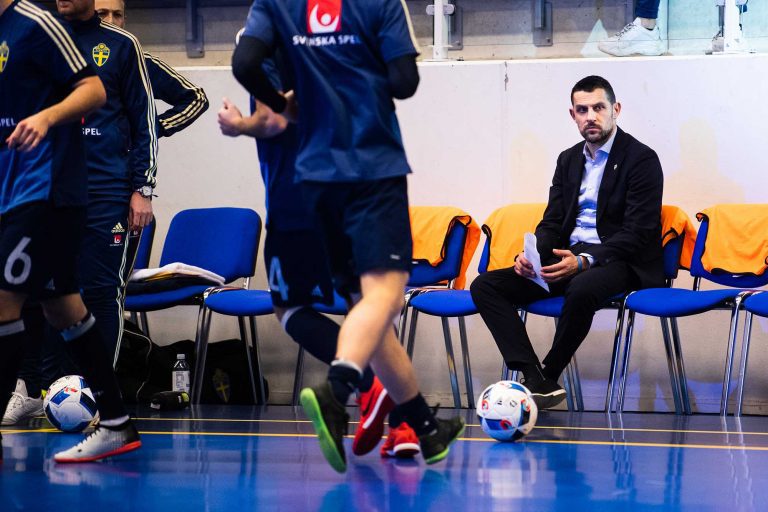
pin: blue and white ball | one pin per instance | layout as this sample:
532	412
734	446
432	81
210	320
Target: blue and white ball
69	404
506	410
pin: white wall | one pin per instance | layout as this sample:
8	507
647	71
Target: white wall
483	134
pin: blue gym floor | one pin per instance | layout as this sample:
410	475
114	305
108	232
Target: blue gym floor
254	458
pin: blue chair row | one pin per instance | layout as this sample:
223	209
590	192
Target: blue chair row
668	304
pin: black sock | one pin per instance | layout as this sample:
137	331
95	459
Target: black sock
532	373
87	348
396	417
12	340
416	412
366	381
344	379
315	332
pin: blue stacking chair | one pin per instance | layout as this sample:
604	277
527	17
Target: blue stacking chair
671	303
756	304
242	304
450	303
222	240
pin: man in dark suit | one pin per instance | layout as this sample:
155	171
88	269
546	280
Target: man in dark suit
600	236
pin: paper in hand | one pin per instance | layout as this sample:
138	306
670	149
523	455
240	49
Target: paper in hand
532	254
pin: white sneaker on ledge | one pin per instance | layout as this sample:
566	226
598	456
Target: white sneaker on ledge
20	406
634	39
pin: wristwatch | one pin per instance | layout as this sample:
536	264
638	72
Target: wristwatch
145	191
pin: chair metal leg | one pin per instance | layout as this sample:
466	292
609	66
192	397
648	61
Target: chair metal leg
249	362
144	323
671	366
567	380
410	294
201	349
451	363
744	356
625	361
729	355
611	391
685	397
467	366
412	334
579	398
257	356
298	376
248	354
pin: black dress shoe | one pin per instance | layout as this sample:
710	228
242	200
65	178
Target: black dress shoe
546	393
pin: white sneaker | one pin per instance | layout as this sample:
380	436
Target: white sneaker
20	406
634	39
102	443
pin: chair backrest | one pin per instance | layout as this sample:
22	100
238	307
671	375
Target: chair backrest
222	240
144	251
424	274
749	218
444	240
678	234
505	230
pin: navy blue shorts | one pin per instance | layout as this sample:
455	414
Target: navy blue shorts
297	269
365	226
39	245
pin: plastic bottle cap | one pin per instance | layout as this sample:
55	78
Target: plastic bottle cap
180	356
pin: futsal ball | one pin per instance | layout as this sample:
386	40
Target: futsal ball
69	404
506	410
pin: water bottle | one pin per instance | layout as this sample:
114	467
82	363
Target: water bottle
181	374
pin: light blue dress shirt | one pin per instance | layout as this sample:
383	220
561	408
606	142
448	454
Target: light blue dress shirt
586	220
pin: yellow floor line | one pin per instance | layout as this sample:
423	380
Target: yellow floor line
469	439
541	427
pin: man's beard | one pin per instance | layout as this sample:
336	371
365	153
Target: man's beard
600	138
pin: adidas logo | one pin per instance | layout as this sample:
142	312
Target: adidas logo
118	228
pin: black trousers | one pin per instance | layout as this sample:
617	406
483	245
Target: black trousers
498	293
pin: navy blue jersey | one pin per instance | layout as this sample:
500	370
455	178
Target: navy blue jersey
39	64
126	123
187	100
338	50
277	160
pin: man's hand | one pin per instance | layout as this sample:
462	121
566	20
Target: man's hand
566	267
139	211
29	132
230	119
523	267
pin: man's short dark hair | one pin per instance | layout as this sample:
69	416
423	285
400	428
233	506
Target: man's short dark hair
592	82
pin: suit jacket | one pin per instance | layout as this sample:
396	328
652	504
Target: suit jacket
628	208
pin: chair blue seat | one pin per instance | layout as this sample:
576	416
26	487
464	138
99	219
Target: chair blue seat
757	304
552	307
448	303
240	302
339	306
188	295
676	302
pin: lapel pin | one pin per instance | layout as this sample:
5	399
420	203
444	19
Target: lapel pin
615	166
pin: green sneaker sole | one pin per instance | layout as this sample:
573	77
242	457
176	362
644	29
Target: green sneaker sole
327	444
443	454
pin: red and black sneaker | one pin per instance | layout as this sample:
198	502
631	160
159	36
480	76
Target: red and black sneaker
375	406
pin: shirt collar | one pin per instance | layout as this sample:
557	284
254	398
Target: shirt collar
605	148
